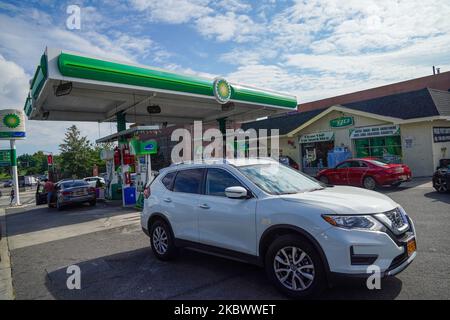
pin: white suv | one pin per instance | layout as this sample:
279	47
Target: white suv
256	210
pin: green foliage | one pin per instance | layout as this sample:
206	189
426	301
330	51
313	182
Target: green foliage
78	156
32	164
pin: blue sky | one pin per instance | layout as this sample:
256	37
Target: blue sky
313	49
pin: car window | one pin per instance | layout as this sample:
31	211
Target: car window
72	184
362	164
343	165
217	180
188	181
167	180
354	164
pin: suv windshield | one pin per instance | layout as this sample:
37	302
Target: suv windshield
278	179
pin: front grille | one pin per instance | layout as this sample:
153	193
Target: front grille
397	218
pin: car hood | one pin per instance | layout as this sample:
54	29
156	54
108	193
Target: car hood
345	200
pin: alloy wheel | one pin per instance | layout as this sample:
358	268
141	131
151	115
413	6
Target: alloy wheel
369	183
441	185
160	240
294	268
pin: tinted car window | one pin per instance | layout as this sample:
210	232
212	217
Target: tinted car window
72	184
168	180
218	180
188	181
343	165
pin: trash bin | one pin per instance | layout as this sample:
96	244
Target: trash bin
129	194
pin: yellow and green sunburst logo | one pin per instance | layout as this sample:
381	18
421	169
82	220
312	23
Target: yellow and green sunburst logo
222	90
11	120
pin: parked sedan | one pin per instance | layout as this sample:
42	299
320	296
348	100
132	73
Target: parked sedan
73	192
7	184
441	178
366	172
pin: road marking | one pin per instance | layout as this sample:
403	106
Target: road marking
63	232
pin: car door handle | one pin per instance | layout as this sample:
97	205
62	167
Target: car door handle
204	206
168	200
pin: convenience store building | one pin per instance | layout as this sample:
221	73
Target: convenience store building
411	128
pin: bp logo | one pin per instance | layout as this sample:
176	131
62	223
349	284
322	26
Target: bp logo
222	90
11	120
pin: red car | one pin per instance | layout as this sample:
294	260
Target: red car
366	172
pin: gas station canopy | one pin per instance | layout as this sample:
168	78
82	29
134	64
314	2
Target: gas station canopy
70	86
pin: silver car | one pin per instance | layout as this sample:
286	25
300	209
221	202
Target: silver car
74	191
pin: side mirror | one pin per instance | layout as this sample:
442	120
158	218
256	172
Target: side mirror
237	192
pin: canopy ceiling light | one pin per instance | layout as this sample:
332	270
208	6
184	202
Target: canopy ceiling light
153	109
63	89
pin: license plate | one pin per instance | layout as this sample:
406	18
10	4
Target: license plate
403	177
411	246
80	193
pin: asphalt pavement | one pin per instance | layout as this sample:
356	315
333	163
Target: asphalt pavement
116	262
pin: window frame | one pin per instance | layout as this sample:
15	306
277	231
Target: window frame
201	188
173	179
228	172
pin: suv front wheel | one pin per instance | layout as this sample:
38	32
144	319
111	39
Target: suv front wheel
295	268
162	242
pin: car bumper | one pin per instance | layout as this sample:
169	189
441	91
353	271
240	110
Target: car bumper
351	252
78	200
395	179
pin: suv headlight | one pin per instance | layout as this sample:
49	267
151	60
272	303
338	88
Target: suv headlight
354	222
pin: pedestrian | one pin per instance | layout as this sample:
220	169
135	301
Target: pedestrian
12	195
49	187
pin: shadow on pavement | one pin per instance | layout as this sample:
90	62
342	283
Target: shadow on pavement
30	219
443	197
138	275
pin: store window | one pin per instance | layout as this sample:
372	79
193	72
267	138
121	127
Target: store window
388	149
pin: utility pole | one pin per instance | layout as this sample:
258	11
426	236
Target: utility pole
12	128
15	176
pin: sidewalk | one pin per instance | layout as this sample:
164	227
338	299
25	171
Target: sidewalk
6	288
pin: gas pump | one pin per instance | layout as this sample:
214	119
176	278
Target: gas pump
142	151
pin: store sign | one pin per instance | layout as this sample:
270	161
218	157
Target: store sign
12	124
375	131
148	147
5	158
341	122
441	134
317	137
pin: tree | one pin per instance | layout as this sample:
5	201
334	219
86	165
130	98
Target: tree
32	164
77	156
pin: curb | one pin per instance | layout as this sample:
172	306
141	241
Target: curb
6	287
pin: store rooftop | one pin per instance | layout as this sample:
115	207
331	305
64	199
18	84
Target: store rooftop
398	108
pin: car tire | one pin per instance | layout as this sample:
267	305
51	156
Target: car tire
162	242
302	278
369	183
440	184
324	179
93	203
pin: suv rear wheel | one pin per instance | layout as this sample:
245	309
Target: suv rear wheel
295	268
162	242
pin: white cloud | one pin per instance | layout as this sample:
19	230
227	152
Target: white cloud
229	26
173	11
13	85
